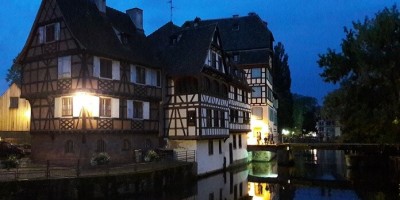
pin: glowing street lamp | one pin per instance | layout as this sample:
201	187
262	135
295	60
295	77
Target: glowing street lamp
284	132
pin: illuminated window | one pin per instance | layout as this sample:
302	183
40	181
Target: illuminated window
66	106
191	118
105	107
105	68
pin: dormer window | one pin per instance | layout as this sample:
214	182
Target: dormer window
236	58
49	33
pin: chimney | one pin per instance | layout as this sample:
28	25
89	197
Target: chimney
252	14
235	16
136	15
101	5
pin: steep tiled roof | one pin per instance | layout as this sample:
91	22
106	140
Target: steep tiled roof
95	32
240	33
187	54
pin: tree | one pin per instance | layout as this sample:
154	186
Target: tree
304	113
368	71
14	73
282	83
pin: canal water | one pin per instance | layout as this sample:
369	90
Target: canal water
315	175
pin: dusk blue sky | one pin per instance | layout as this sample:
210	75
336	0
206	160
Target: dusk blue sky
305	27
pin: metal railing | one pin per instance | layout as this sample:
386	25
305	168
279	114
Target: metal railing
52	169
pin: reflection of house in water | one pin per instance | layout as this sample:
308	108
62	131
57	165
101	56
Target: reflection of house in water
229	185
15	116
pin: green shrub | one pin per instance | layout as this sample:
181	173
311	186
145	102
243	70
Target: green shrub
151	156
100	159
11	162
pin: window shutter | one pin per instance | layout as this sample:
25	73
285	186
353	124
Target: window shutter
146	110
76	106
116	70
96	66
57	31
148	76
129	107
57	107
67	67
41	35
115	108
133	74
64	67
95	106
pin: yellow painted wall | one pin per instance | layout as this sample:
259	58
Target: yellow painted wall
14	119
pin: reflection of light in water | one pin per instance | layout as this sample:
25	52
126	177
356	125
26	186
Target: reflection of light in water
260	191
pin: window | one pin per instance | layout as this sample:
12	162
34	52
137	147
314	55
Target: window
224	91
49	33
105	68
240	141
232	115
66	106
191	118
101	146
213	60
14	102
257	112
236	116
256	92
236	58
154	77
235	93
210	147
69	147
256	73
222	117
216	118
64	67
138	109
220	146
208	118
126	145
105	107
234	141
140	75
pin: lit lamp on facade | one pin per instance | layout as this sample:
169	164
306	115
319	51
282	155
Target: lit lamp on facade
83	103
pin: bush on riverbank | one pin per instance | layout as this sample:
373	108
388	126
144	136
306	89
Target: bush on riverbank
100	159
11	162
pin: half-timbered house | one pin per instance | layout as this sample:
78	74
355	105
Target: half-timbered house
88	74
203	109
249	42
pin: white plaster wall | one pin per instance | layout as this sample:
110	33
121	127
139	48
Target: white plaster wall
208	163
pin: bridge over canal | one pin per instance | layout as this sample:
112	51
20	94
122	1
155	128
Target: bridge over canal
284	150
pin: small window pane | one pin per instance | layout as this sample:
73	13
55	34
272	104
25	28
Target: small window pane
50	33
66	109
256	92
14	102
105	107
105	68
256	73
257	112
191	118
